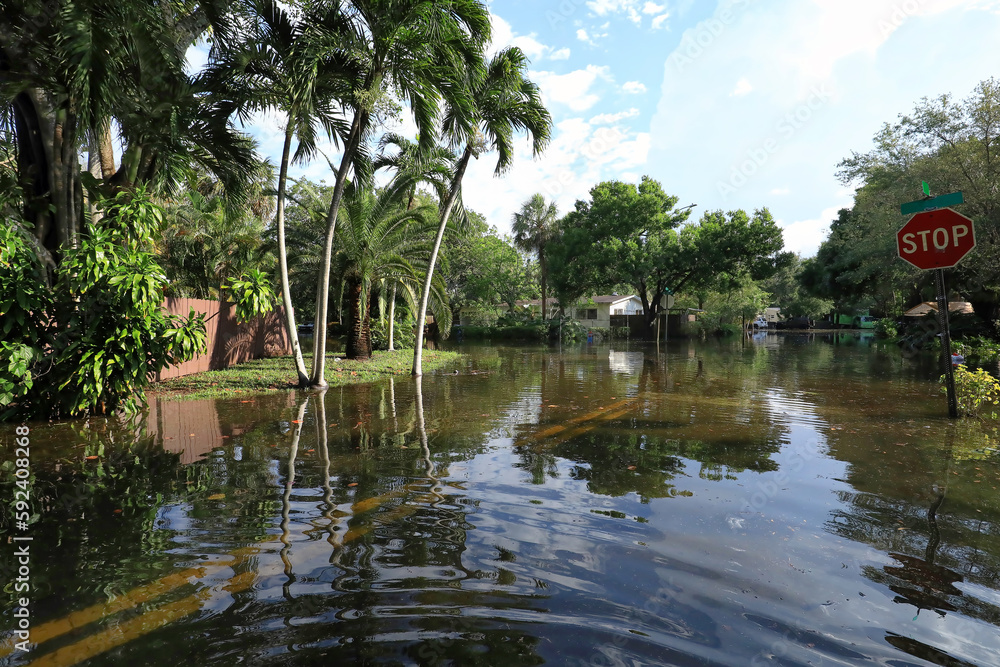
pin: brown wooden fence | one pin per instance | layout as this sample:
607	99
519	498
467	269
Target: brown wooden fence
228	342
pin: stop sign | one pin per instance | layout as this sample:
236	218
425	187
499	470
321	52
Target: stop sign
936	239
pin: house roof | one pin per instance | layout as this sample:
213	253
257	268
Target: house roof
963	307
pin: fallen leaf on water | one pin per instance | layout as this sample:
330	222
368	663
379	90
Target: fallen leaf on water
118	511
631	467
333	424
310	451
91	458
191	434
216	496
353	484
296	421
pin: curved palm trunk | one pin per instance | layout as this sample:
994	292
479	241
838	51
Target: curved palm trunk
541	269
323	287
392	316
286	294
456	185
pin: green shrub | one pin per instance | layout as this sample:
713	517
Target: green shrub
403	335
886	328
730	330
977	391
91	344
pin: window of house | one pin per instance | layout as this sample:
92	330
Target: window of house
619	311
591	313
581	314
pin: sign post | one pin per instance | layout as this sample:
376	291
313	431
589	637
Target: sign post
937	238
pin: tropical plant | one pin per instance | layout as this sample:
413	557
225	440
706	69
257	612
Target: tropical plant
92	344
977	392
504	101
418	50
204	245
73	69
381	244
534	226
294	62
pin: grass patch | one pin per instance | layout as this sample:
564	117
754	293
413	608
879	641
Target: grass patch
263	375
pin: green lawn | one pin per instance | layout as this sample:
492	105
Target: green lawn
262	375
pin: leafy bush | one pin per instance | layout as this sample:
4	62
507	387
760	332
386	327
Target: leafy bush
886	328
977	391
403	335
93	342
730	330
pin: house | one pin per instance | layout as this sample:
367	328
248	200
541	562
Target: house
595	311
955	307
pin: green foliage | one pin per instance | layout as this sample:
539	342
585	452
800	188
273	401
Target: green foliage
977	391
403	335
947	143
92	344
886	328
253	295
631	234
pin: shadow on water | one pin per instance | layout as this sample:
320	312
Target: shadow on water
776	500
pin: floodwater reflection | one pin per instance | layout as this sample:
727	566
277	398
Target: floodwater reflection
784	500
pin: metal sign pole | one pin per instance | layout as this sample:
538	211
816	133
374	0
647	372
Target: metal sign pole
949	372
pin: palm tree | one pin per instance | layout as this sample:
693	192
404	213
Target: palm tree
417	49
533	228
505	102
380	242
68	69
297	66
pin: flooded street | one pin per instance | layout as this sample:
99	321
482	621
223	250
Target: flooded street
786	500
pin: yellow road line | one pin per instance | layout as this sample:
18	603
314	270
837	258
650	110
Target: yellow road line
559	428
151	591
153	620
168	613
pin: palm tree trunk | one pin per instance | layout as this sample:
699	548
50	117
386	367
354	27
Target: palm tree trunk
541	269
392	316
456	185
323	287
286	294
359	335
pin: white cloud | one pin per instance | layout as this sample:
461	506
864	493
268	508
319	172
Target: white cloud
581	155
582	35
743	87
805	236
825	76
611	118
633	87
504	36
659	21
572	89
653	8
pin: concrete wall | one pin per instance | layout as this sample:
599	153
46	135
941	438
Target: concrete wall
228	342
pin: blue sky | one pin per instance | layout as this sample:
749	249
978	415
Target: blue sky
729	103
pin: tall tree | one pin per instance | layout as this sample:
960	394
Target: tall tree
419	51
70	68
297	64
534	227
381	242
505	101
629	234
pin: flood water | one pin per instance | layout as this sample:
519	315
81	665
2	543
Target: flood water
784	500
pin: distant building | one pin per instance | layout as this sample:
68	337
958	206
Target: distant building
595	311
927	307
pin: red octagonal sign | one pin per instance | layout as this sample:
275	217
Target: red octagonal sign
936	239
